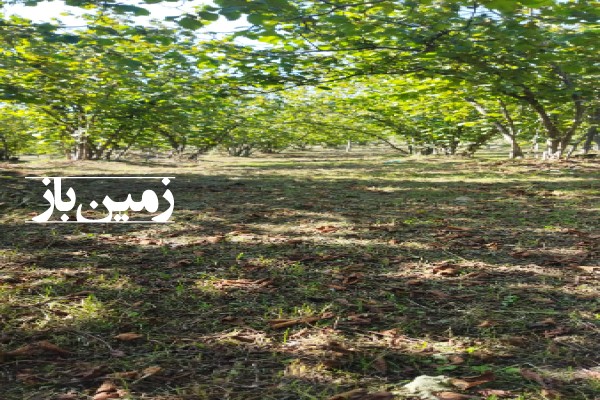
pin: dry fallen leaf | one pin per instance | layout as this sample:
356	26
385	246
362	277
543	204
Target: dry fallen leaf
45	345
148	241
286	323
106	396
242	338
533	376
521	254
484	355
362	394
359	319
588	374
37	348
352	279
125	375
587	268
339	348
446	270
155	369
94	372
27	376
550	394
181	263
516	340
555	332
107	390
545	322
453	396
230	319
380	365
439	294
327	229
543	300
128	336
456	359
472	381
487	323
107	386
215	239
244	283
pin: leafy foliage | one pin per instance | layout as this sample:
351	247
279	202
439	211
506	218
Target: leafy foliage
419	76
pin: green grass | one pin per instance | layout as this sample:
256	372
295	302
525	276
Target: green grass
406	275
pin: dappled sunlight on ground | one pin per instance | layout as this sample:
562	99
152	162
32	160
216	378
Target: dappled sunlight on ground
305	277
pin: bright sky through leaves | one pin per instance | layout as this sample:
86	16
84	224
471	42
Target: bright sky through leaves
47	11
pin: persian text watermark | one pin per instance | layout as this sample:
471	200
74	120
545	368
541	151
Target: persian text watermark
111	211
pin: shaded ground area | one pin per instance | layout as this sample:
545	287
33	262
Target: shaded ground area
306	278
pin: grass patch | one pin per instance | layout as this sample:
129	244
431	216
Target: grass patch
306	276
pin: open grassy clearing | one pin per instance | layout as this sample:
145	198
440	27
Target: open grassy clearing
308	276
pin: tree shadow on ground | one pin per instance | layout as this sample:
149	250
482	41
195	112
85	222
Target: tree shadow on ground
377	284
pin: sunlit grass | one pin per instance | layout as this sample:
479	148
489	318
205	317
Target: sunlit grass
268	238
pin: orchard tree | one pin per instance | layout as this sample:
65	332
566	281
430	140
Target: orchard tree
19	130
538	52
521	62
409	114
109	86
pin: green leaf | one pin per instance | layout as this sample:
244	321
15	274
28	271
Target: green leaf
502	5
46	28
208	16
231	15
130	63
105	42
75	3
69	39
270	39
122	9
255	19
280	4
536	3
190	23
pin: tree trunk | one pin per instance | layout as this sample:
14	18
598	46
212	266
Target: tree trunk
515	149
591	136
80	151
592	133
535	147
243	150
509	132
558	140
4	153
553	148
454	147
84	150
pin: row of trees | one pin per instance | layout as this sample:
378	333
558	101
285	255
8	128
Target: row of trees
420	76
